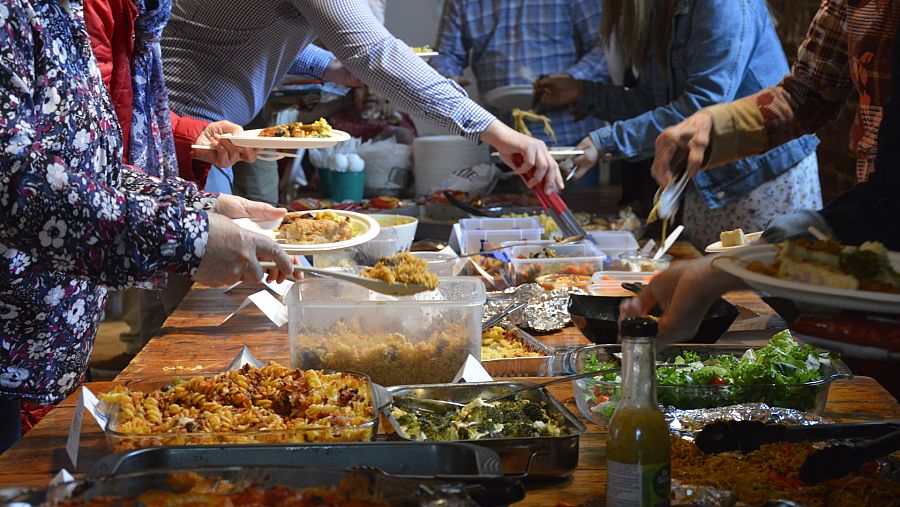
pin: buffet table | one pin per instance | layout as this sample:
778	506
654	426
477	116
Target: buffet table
194	342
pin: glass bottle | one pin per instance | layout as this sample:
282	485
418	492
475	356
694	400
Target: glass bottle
638	449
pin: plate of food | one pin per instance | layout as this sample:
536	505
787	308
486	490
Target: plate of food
733	240
291	136
316	231
425	52
821	273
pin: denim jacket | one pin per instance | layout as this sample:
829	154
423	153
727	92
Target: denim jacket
720	50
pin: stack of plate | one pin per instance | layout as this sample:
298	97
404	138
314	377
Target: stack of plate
435	157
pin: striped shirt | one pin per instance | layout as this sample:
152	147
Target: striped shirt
505	41
221	60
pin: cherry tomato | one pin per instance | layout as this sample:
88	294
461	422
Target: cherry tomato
602	398
716	380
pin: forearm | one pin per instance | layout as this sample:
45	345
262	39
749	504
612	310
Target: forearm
311	62
82	227
186	192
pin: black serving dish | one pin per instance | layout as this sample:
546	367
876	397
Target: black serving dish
597	317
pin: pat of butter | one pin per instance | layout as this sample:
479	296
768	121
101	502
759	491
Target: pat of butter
733	238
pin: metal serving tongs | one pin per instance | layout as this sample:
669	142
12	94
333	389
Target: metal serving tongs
822	465
747	436
373	284
556	208
667	200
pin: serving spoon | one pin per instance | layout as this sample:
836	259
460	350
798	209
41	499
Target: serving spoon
373	284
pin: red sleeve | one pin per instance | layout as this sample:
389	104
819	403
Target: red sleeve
99	18
186	130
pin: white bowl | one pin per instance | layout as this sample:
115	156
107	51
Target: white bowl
401	228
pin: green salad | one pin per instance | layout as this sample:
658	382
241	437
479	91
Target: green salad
774	374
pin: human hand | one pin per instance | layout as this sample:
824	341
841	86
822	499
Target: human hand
588	160
684	292
233	206
221	152
524	154
278	276
688	141
338	74
556	91
232	255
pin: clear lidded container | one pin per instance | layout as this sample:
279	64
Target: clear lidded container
418	339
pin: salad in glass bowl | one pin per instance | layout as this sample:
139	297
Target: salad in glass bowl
783	373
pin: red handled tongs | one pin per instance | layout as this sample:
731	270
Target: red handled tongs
556	207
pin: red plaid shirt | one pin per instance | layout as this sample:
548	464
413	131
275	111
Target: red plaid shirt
849	46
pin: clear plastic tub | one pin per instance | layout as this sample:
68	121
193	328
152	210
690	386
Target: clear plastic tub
479	233
423	338
615	243
439	263
498	224
579	259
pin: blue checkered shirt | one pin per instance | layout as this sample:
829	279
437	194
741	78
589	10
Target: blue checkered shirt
222	59
498	37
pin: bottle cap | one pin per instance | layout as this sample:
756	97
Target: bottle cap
638	327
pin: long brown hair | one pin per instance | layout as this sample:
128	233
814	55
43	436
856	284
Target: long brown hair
633	22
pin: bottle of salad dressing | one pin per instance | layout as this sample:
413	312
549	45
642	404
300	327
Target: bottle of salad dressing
638	450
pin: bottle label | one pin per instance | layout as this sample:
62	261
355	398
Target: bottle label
637	485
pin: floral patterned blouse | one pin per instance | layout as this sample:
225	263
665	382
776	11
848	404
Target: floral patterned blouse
74	221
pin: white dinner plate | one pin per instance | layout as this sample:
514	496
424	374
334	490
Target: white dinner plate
510	97
560	153
717	246
735	263
367	226
251	139
427	54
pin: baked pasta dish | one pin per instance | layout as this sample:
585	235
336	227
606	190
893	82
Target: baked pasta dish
499	343
190	489
830	264
269	404
513	417
402	268
389	358
314	228
772	473
319	128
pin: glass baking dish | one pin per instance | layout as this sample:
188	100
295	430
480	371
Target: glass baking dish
121	441
597	399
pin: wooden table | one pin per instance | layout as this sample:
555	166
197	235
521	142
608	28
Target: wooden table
193	341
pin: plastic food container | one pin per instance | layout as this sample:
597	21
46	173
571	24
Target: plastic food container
597	399
615	243
579	259
641	264
119	441
439	263
423	338
478	233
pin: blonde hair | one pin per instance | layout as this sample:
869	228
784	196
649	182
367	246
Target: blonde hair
633	22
